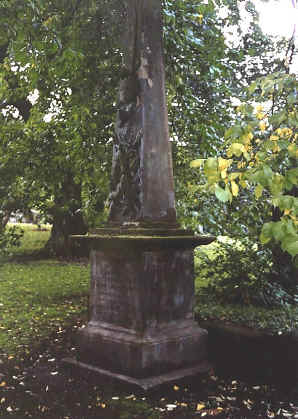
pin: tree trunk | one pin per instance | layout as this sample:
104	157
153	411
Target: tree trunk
67	220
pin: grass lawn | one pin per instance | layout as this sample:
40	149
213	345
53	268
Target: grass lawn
41	303
37	296
33	241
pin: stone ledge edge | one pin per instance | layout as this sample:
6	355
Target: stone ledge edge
142	383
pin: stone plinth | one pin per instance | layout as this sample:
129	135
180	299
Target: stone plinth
141	304
141	328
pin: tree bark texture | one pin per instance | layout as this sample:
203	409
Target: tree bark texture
67	220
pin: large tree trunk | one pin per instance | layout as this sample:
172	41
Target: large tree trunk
67	220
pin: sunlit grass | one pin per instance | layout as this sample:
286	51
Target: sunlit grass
38	296
34	239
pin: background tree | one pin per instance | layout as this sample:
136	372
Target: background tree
58	145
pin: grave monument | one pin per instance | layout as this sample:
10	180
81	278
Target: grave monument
141	328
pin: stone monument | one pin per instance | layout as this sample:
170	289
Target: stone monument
141	328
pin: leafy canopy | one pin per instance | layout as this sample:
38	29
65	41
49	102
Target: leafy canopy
260	155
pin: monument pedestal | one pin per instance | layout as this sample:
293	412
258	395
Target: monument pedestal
141	328
141	322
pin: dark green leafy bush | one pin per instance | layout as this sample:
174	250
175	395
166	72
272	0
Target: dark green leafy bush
240	272
9	238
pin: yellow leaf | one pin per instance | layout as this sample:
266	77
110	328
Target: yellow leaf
293	150
286	132
287	212
262	125
273	137
224	163
259	108
197	163
258	191
260	115
241	164
223	174
3	384
200	406
235	188
243	183
200	19
246	138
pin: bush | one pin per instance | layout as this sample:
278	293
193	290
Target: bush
9	238
240	272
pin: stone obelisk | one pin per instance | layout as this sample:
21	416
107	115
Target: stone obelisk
141	328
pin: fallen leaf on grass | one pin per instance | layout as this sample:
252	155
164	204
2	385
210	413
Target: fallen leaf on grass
171	406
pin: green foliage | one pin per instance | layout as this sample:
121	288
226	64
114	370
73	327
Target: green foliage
262	156
9	238
239	272
274	320
55	152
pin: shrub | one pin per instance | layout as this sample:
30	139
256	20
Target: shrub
240	272
9	238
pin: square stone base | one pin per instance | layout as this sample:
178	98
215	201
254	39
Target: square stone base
140	383
141	323
124	352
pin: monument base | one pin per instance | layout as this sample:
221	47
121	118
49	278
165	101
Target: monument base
155	352
141	324
140	383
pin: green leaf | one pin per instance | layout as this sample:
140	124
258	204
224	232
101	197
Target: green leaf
235	149
278	230
211	170
223	195
253	87
266	233
290	245
292	175
234	132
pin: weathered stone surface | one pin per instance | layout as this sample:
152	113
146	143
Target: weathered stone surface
142	187
143	238
141	307
123	352
253	355
139	383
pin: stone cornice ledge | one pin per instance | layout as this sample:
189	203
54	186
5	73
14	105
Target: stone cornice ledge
131	240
